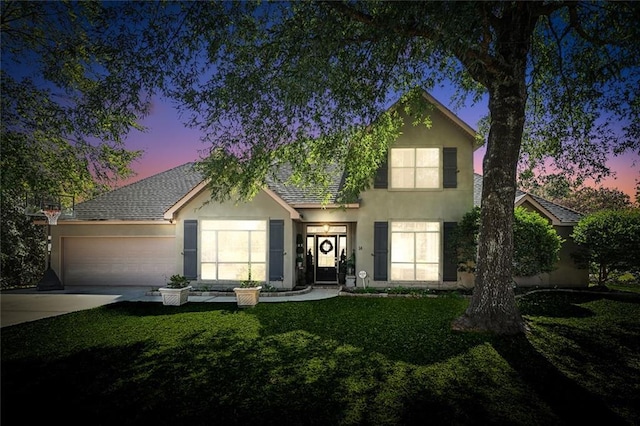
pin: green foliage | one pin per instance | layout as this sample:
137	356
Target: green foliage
590	200
561	79
67	100
465	240
536	243
67	104
249	282
178	281
584	199
611	239
24	246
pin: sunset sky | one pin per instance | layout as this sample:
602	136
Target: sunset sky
169	143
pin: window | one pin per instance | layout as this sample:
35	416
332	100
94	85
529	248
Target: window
415	251
230	247
415	168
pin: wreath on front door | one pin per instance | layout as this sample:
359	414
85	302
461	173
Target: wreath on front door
326	247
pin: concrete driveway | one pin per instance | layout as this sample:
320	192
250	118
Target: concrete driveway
18	306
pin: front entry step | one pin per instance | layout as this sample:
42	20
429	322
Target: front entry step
326	285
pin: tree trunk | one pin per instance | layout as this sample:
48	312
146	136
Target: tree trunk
493	306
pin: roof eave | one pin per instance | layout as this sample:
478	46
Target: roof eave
171	212
555	220
325	206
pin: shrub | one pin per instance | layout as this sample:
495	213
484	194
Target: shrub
23	243
610	239
536	243
177	281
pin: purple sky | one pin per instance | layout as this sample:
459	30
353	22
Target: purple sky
168	143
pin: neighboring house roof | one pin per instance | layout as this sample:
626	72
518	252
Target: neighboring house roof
558	214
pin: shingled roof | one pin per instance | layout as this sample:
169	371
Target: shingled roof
296	196
146	199
150	198
561	213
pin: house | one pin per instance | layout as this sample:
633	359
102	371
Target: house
167	224
567	272
143	233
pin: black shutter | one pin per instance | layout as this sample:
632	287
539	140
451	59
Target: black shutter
276	250
382	175
190	249
450	261
450	167
380	251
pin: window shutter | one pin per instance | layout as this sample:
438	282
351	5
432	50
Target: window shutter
190	249
276	250
450	261
380	250
382	175
450	167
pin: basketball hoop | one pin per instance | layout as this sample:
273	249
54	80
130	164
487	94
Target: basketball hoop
52	215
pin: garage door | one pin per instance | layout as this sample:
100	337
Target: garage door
118	261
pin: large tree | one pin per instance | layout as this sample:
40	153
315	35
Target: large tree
310	83
67	103
611	240
67	97
584	199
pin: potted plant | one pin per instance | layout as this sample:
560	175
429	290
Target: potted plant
176	292
351	270
248	294
342	268
351	264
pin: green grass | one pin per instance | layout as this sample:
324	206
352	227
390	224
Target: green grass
347	360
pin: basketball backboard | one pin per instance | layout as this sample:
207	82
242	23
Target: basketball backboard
36	204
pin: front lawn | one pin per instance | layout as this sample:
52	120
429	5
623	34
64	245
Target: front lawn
346	360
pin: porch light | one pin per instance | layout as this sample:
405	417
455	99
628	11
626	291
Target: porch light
325	227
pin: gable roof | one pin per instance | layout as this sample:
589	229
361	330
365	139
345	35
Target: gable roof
158	197
146	199
471	133
296	196
152	197
558	214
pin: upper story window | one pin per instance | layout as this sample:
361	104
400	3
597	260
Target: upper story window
415	168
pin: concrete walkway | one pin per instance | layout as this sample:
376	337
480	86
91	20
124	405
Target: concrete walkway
23	305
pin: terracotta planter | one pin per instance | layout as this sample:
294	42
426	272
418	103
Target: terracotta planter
174	296
466	279
247	297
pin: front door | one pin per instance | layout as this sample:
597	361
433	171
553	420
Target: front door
327	258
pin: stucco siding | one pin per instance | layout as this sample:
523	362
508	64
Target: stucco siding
567	273
261	207
433	205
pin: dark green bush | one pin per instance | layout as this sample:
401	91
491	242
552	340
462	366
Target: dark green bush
536	243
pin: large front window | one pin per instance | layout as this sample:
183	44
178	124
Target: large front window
415	251
230	248
415	168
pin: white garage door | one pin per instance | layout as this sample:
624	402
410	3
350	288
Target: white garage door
118	261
